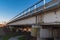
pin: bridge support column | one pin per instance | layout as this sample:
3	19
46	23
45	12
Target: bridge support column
11	27
45	34
41	33
35	31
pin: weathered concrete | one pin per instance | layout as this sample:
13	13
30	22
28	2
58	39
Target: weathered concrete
49	16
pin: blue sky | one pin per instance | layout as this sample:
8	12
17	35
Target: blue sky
10	8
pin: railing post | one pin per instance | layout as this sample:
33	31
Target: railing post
44	4
29	11
35	8
24	13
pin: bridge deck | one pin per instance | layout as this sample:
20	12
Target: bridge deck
52	5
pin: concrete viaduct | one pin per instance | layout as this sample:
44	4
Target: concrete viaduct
43	22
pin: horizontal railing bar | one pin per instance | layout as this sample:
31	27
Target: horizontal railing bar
47	5
27	9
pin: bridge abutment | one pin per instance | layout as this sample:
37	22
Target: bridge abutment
46	32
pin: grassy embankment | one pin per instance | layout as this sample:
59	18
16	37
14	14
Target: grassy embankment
6	37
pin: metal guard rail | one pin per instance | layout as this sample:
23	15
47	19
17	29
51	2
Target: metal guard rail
47	5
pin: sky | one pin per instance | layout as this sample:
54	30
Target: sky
10	8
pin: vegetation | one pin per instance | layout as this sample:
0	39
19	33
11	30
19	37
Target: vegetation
21	38
6	37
